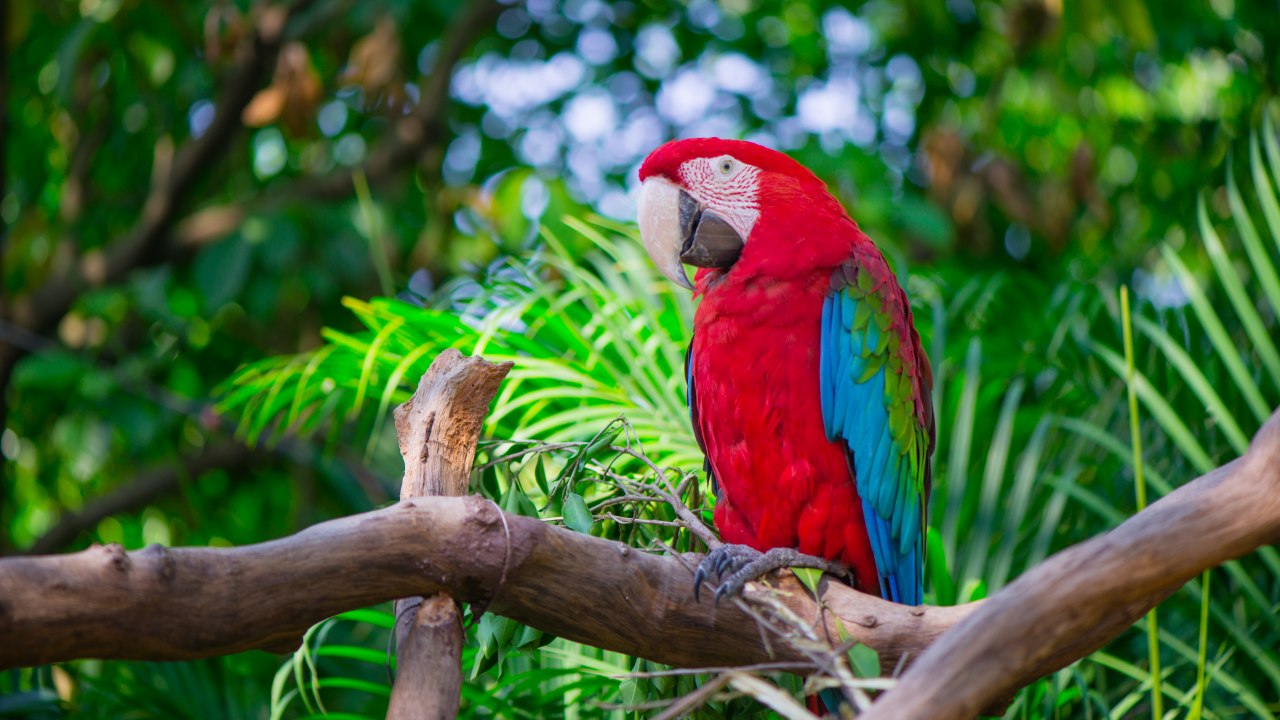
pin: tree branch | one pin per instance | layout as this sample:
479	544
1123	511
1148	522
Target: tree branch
429	663
198	602
173	175
1079	599
438	429
180	603
164	604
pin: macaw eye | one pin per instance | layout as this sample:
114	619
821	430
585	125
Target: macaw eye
726	166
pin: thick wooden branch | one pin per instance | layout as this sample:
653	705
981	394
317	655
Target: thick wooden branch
1073	603
438	429
197	602
169	604
439	426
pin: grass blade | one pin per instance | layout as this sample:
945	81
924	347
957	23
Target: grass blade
1140	486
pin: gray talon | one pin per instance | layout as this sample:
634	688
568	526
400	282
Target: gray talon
743	564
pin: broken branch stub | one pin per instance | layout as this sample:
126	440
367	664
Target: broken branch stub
439	426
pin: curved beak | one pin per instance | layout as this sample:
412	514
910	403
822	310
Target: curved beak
676	229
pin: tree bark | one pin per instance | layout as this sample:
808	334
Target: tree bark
168	604
429	673
181	603
438	429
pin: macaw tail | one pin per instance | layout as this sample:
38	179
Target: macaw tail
826	702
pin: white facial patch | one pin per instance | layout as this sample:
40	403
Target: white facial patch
727	186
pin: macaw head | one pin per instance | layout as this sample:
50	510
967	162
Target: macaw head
702	201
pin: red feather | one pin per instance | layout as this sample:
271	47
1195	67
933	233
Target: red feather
755	365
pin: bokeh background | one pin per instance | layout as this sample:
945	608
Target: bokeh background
191	190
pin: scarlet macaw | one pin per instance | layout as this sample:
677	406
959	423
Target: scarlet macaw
807	383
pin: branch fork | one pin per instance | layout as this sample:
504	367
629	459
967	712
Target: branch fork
182	603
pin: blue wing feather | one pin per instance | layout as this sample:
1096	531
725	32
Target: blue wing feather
859	413
691	398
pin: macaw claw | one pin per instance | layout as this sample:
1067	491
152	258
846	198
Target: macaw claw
736	565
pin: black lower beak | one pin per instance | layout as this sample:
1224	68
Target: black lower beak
709	240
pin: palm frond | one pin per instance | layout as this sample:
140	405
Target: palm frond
592	337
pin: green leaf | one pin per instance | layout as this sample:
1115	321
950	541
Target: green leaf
540	474
865	661
808	577
632	692
1228	351
576	515
351	652
221	270
604	440
373	617
1161	410
973	590
55	370
1242	298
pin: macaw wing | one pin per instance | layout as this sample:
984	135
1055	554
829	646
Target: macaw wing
691	397
876	385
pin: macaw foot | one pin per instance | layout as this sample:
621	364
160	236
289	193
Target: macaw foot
736	565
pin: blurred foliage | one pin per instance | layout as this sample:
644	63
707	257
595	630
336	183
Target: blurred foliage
1017	160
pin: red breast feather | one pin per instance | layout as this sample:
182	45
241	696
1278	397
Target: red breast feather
755	366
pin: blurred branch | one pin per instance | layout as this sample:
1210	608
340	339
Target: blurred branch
420	135
151	483
160	235
141	490
173	174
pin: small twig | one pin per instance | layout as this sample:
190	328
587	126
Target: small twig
679	556
691	522
694	699
758	667
623	500
539	449
684	483
821	653
641	521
